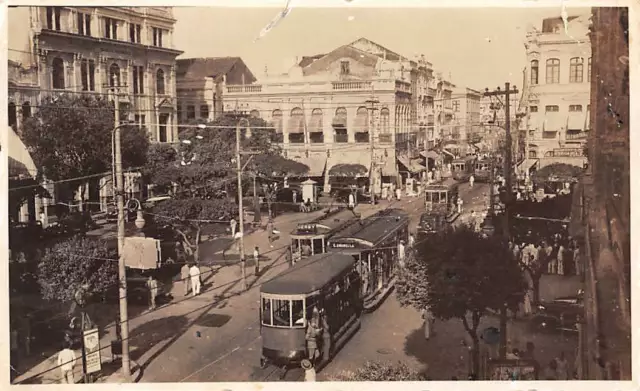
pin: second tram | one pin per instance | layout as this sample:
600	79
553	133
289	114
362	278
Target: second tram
482	171
461	169
375	243
311	238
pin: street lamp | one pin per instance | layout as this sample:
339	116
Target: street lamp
140	221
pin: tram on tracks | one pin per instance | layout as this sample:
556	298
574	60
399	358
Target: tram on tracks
374	243
440	205
482	170
311	237
322	285
461	169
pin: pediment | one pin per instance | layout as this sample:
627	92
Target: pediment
342	53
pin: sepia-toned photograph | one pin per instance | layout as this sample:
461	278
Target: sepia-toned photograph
299	194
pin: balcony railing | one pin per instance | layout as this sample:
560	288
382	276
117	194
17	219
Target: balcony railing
351	85
576	136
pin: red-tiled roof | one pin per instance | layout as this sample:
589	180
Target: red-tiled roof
195	68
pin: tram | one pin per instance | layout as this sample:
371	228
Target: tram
461	169
311	238
328	284
440	201
374	243
482	171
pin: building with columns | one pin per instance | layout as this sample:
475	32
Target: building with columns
92	50
359	104
557	92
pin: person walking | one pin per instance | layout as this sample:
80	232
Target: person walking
398	194
459	202
256	259
428	318
561	260
527	302
471	180
309	370
194	273
152	285
184	277
234	225
576	259
295	197
314	331
66	362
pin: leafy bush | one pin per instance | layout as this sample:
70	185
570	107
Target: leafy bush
381	371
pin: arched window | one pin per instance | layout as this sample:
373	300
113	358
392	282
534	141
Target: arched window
362	125
553	71
26	110
276	120
340	125
160	82
589	70
534	71
13	118
296	126
57	73
575	70
384	120
533	154
316	129
254	114
114	75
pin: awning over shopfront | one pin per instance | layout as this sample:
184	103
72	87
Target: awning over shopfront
575	121
315	124
527	164
362	122
413	165
295	124
351	163
316	164
448	153
553	122
21	165
430	154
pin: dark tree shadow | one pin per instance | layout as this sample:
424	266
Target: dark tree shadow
440	358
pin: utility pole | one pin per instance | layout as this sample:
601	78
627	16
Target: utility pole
122	271
508	193
372	102
243	263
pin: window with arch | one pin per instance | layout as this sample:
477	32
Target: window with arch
589	70
276	120
114	75
13	117
533	154
535	68
254	114
362	125
26	110
340	126
296	126
316	127
160	82
553	71
385	126
57	73
575	70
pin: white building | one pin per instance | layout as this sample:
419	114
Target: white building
557	92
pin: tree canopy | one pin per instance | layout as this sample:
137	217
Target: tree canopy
458	273
557	172
381	371
68	264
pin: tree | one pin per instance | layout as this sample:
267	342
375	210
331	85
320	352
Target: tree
459	273
71	137
377	371
71	263
203	168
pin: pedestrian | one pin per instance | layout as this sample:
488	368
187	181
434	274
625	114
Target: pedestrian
184	276
152	285
66	362
256	258
471	180
309	370
459	204
352	201
527	302
576	259
428	318
398	194
234	226
561	260
313	333
401	254
194	273
412	240
295	197
552	261
562	367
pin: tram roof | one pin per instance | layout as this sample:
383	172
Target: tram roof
328	222
445	184
373	228
309	274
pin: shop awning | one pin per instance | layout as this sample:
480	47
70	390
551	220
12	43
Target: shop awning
339	122
527	164
575	121
296	124
587	120
349	163
315	124
316	164
553	122
21	165
362	123
412	165
430	154
448	153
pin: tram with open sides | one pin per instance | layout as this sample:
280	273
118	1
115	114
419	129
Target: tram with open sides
440	204
329	283
374	243
461	169
482	171
311	238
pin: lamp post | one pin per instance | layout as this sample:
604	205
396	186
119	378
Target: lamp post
239	169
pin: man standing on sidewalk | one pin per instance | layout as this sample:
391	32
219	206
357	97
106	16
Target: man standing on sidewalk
233	225
194	273
152	285
184	276
66	362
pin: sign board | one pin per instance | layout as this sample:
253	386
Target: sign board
342	245
568	152
141	253
307	227
91	351
512	370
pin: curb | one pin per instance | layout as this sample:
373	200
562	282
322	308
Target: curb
117	377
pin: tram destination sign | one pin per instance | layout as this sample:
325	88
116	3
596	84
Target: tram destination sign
342	245
307	227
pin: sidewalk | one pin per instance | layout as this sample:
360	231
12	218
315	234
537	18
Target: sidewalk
219	283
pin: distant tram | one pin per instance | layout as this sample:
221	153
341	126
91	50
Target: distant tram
311	238
482	171
328	283
440	204
374	243
461	169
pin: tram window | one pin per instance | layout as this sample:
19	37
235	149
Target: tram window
297	309
266	312
306	247
281	313
317	246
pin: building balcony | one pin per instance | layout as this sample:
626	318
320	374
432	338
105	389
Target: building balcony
321	86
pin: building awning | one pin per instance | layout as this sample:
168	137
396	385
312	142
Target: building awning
575	121
350	159
413	165
553	122
315	124
587	120
21	165
296	124
362	123
448	153
316	164
527	164
430	154
339	122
